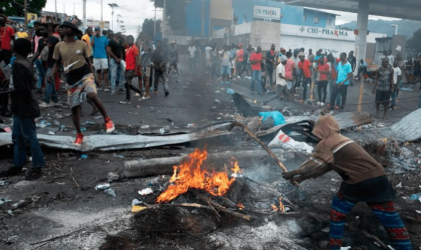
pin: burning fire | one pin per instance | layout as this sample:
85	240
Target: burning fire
190	174
281	206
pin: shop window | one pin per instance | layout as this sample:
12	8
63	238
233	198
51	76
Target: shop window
316	20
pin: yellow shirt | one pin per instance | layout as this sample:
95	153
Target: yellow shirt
22	34
87	39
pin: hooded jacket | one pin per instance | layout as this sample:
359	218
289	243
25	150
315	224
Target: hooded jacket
339	153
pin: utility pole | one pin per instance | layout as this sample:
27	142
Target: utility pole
154	25
101	12
26	13
203	19
84	14
164	19
56	10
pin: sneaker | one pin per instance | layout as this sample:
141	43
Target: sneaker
112	92
322	104
79	139
109	125
126	102
44	105
106	90
136	94
55	104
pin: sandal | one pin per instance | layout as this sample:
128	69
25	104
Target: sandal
13	171
33	174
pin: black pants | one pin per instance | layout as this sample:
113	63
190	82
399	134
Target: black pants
342	90
129	78
322	89
270	74
5	55
263	83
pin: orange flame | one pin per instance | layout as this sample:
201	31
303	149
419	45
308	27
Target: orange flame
240	205
274	208
190	174
281	206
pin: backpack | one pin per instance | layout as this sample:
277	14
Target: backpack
44	53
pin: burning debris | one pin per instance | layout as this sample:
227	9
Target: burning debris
192	173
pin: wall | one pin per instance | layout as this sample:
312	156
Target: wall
329	40
265	34
194	18
323	16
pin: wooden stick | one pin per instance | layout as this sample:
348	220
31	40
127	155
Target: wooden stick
284	169
375	239
73	177
219	207
262	185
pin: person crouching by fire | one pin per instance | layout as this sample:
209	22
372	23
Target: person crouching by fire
364	180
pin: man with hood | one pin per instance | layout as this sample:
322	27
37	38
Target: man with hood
364	180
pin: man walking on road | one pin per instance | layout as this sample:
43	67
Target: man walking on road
344	73
269	64
132	63
192	56
256	70
353	61
160	60
73	54
146	63
397	77
115	51
99	43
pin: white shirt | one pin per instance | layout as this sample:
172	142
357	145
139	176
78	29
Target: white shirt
280	69
192	51
208	51
396	73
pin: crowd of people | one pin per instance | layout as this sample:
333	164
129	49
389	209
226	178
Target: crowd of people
284	73
101	60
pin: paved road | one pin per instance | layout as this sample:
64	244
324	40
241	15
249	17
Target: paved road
194	98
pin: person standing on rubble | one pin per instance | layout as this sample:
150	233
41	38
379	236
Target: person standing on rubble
80	77
383	87
364	180
24	109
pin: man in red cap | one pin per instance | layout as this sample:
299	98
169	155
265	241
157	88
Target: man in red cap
7	34
240	60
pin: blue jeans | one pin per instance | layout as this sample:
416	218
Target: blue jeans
50	88
114	68
24	133
256	75
331	90
394	96
40	72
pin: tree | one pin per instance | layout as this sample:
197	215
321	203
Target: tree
414	43
15	7
175	12
148	27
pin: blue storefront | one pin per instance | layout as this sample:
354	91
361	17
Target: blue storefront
243	11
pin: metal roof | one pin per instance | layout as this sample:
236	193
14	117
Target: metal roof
405	9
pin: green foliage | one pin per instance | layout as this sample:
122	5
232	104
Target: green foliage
148	27
414	43
405	27
34	6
